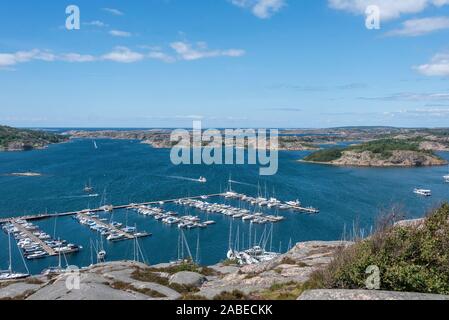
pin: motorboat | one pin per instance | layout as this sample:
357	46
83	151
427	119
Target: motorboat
423	192
295	204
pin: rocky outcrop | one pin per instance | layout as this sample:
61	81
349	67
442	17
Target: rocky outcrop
124	280
117	280
367	295
296	266
434	146
186	278
397	159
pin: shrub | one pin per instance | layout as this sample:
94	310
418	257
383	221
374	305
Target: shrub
414	259
234	295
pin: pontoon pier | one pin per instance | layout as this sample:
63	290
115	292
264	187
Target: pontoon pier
50	251
74	213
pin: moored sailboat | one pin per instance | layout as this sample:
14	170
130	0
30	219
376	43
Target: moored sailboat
10	274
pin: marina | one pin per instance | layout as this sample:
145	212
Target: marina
170	218
112	231
339	194
233	212
101	209
194	201
36	244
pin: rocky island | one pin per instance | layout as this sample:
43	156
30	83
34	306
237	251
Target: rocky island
12	139
379	153
160	139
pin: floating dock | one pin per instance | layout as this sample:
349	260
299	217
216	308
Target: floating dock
74	213
50	251
126	235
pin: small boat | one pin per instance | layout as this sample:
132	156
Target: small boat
12	276
101	255
423	192
88	188
446	178
296	203
202	180
37	255
114	237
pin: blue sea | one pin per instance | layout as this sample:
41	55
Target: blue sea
126	171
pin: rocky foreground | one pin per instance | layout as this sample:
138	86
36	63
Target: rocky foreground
280	278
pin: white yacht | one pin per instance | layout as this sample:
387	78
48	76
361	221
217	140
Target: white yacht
446	178
296	203
101	255
202	180
423	192
114	237
251	256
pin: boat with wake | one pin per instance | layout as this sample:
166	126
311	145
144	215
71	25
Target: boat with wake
423	192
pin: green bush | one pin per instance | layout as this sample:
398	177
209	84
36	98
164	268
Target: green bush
412	259
326	155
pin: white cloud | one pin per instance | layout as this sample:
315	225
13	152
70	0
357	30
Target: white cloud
95	23
434	112
418	27
182	51
159	55
438	66
262	9
123	55
186	51
440	96
76	57
390	9
119	33
11	59
113	11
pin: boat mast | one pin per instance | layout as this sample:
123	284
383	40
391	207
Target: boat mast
198	249
230	235
187	245
59	255
10	256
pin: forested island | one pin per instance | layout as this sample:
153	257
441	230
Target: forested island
12	139
379	153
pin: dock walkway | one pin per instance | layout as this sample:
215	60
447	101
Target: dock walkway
73	213
126	235
50	251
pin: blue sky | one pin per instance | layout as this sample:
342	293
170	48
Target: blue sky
230	63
